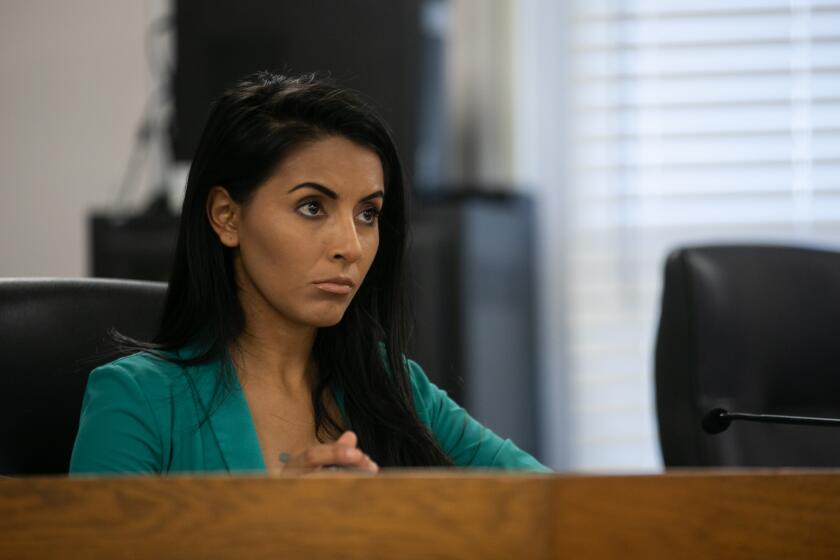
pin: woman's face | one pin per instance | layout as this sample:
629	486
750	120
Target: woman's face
309	234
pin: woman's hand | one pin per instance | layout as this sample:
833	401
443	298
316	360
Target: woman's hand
341	453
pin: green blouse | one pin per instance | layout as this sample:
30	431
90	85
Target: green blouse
142	414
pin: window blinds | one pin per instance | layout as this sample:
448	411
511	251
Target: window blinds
694	122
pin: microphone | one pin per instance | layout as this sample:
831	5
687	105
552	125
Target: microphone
718	419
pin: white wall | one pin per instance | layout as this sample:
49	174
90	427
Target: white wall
480	83
541	160
74	82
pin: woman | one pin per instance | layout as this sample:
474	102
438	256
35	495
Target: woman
281	344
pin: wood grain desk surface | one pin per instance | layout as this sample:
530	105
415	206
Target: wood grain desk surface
426	514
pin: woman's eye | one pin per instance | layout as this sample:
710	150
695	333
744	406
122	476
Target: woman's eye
369	215
310	208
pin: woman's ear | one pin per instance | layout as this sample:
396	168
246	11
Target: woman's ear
223	213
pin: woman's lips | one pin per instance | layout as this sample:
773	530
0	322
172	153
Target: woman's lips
334	288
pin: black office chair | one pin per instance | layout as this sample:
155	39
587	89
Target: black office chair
52	333
749	329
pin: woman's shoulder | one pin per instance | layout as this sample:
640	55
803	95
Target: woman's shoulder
147	371
141	365
427	395
418	378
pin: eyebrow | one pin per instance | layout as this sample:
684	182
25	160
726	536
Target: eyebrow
331	193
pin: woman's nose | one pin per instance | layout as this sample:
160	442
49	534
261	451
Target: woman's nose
348	246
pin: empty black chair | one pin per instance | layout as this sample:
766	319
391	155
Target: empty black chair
53	332
749	329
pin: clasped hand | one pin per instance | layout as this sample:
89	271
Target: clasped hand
342	453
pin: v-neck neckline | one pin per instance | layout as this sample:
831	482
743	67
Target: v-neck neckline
233	424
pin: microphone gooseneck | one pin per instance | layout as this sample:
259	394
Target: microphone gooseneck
718	419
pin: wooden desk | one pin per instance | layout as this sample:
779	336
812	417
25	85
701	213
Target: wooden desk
762	515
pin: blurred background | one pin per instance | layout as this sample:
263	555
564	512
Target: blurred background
557	152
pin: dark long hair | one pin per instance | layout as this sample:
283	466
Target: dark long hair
251	128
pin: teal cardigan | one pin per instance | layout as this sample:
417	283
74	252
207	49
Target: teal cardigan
142	414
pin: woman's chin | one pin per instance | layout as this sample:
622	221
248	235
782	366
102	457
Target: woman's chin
326	319
324	324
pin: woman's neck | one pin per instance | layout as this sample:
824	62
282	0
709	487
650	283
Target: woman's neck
279	356
272	351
